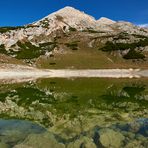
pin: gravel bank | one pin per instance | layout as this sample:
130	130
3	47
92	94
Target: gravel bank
26	72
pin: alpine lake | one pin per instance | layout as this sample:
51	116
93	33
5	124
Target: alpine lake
74	113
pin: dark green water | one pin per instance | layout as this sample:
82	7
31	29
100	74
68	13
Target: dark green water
74	113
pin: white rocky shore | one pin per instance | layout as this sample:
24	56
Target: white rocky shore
25	73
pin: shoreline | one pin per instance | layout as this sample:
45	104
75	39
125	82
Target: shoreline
20	71
9	72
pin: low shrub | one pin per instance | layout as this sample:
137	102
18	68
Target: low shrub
132	54
72	45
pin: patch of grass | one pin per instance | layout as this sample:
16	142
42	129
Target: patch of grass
73	45
86	58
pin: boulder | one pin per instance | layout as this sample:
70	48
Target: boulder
110	138
85	142
45	140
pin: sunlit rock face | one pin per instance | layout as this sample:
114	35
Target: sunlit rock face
106	21
66	19
63	19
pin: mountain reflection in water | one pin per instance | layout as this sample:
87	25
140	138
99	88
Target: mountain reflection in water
74	113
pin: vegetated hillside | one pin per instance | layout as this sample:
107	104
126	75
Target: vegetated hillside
69	38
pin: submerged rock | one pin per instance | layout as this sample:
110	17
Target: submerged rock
134	127
82	142
137	144
110	138
45	140
15	131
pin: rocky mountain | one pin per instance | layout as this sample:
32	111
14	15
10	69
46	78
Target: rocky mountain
68	17
104	20
69	30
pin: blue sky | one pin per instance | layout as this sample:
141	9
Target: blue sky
20	12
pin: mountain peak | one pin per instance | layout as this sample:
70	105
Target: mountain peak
68	16
72	12
68	8
106	21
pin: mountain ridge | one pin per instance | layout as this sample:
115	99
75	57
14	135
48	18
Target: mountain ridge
105	20
64	19
69	28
